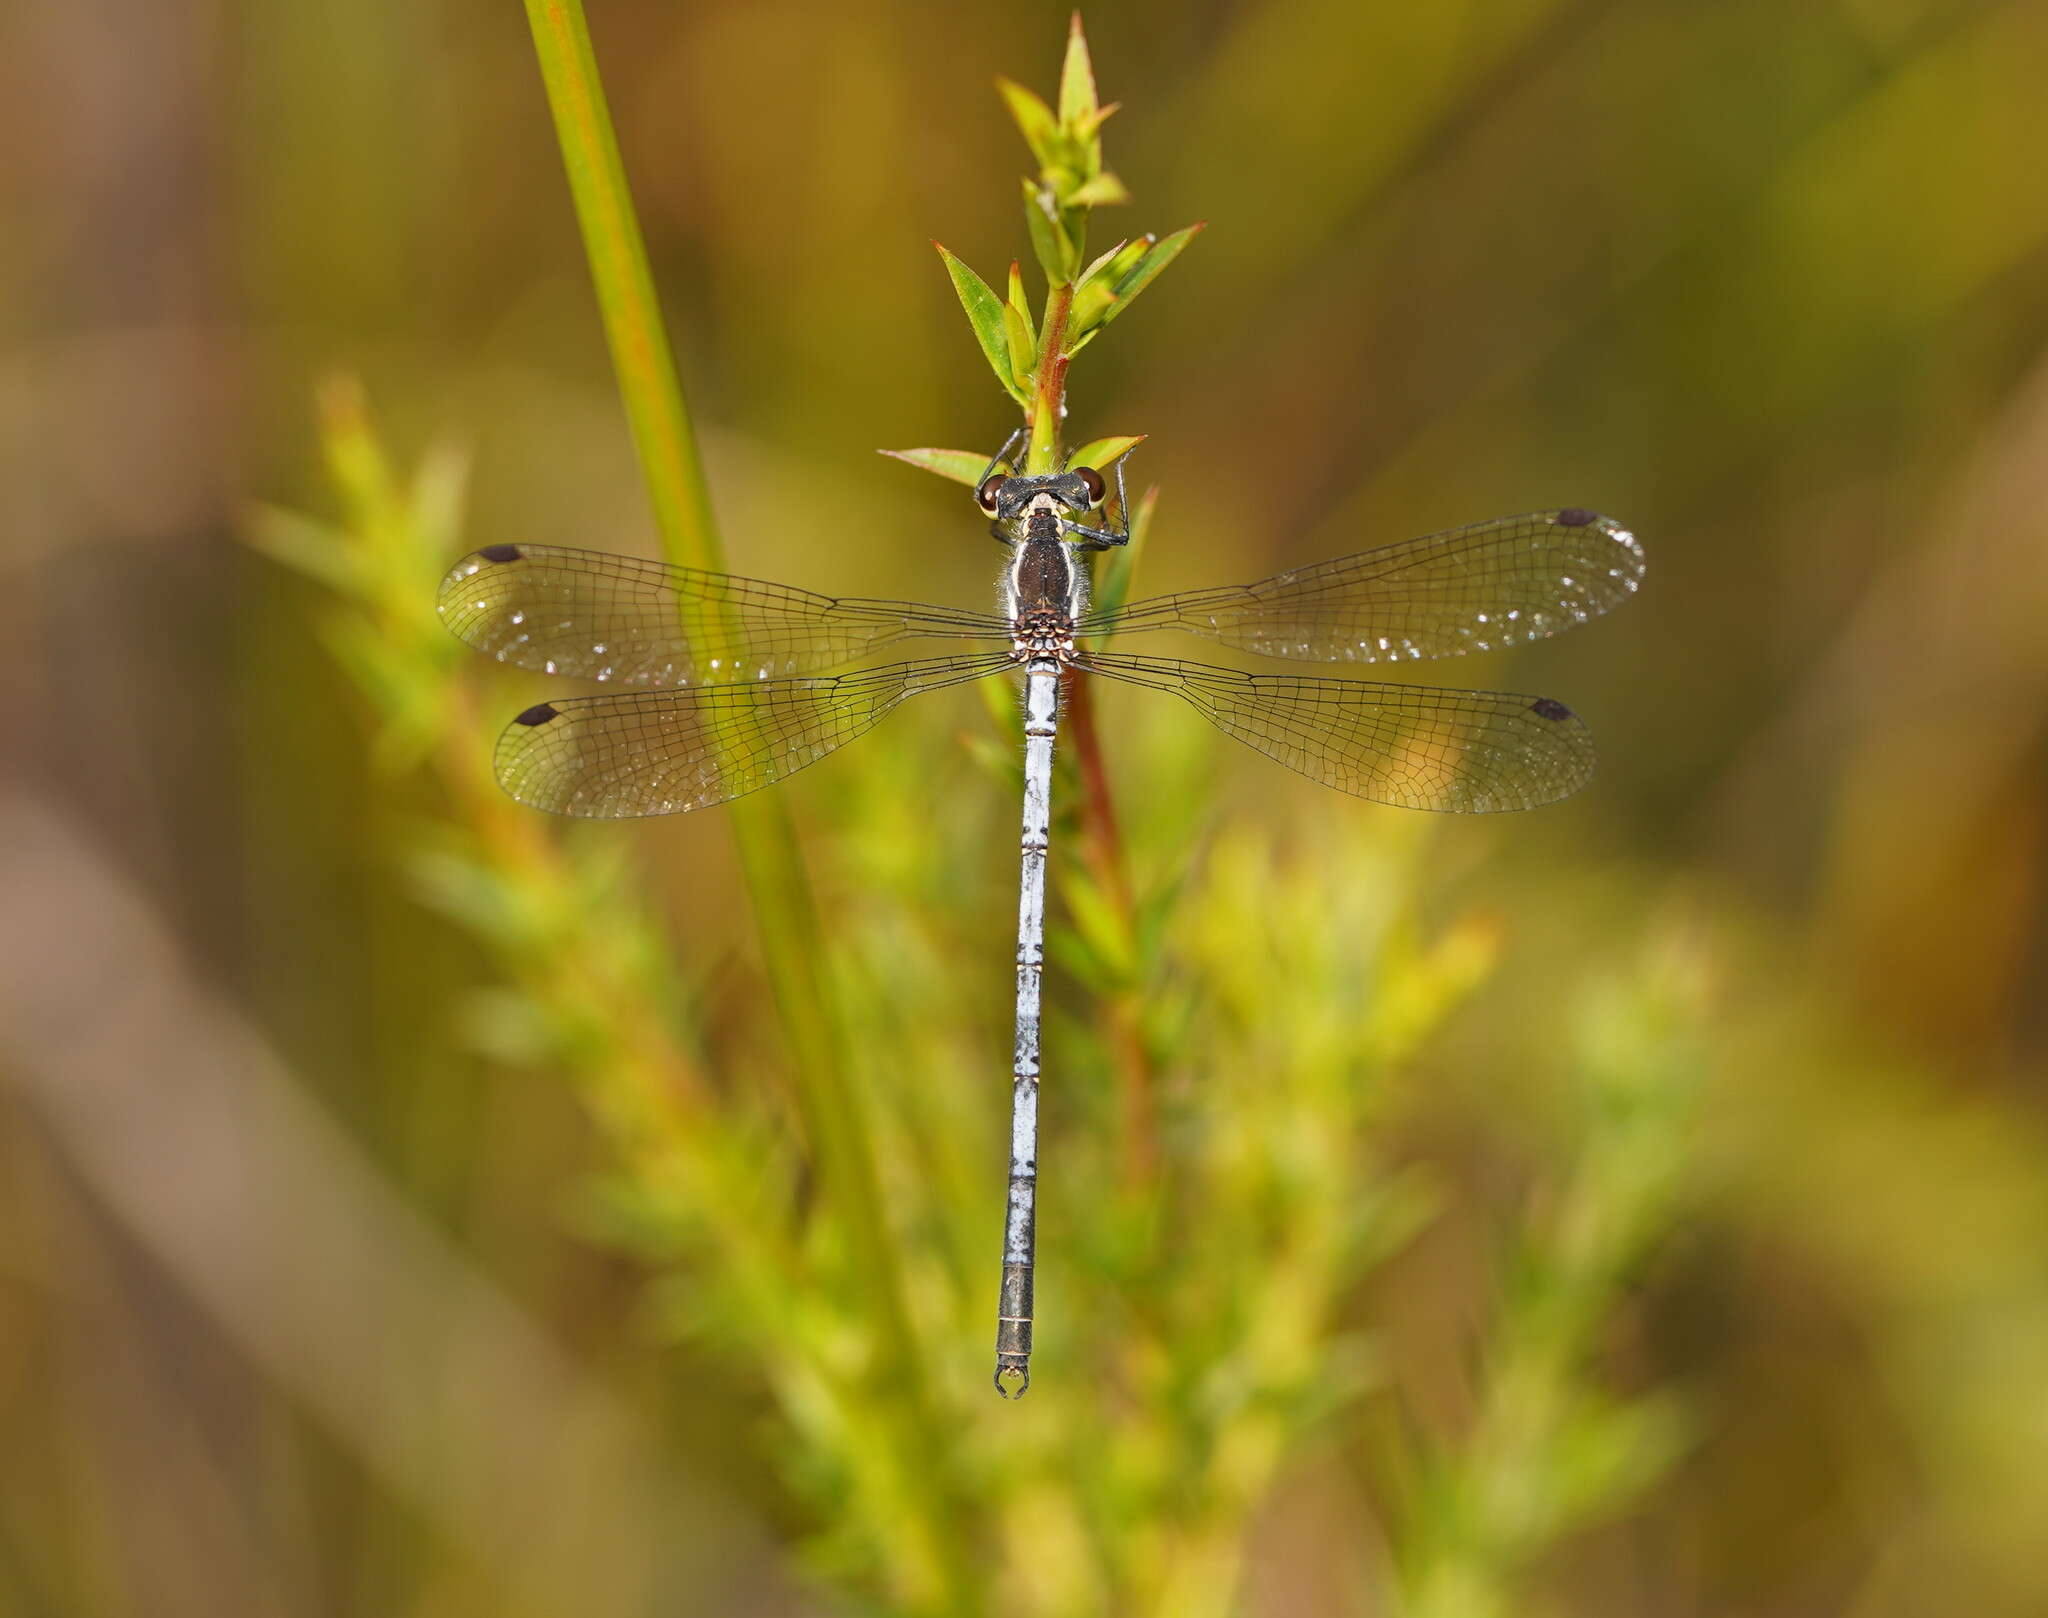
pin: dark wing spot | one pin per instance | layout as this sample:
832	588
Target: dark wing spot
541	712
1575	517
1543	708
500	553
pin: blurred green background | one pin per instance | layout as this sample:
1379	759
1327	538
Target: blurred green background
1636	1207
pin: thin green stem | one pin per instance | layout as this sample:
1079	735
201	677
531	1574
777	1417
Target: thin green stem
648	385
792	941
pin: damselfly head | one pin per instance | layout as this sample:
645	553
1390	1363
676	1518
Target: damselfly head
1008	496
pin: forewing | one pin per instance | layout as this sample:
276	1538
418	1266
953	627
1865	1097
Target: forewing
1416	747
623	621
631	753
1471	589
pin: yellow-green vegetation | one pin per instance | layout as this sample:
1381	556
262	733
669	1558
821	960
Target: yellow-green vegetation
412	1205
1234	1048
1232	1067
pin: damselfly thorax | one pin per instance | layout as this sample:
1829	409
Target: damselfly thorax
1045	590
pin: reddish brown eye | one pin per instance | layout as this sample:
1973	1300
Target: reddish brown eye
985	496
1091	480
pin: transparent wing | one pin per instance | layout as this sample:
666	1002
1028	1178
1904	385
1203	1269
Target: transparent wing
1415	747
1466	590
627	622
631	753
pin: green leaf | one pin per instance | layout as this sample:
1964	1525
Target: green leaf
1147	269
1130	256
1091	125
1101	191
437	496
1103	453
1057	256
985	315
1162	253
1077	80
1023	346
1034	118
1096	290
309	547
961	465
1017	330
1018	301
1100	264
1605	1453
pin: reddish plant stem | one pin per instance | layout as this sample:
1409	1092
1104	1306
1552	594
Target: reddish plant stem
1102	848
1103	842
1049	385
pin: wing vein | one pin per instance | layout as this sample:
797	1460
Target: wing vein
1478	588
622	621
630	753
1415	747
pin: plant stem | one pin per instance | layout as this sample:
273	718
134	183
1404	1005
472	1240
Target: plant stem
648	384
1049	385
1102	846
792	942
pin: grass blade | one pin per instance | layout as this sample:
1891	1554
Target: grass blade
779	890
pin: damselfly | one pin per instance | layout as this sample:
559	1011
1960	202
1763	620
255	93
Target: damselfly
727	690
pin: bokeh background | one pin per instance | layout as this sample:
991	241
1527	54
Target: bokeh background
330	1281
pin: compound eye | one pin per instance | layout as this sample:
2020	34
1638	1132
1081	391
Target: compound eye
1091	480
985	496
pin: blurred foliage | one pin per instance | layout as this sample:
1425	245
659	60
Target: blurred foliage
1238	1183
1632	1207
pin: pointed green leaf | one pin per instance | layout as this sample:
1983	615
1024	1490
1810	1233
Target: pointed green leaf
1093	124
1034	118
1096	268
961	465
311	548
984	314
1018	301
1022	345
1077	79
1097	289
1090	303
1104	190
1131	255
1056	255
438	494
1147	269
1103	453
